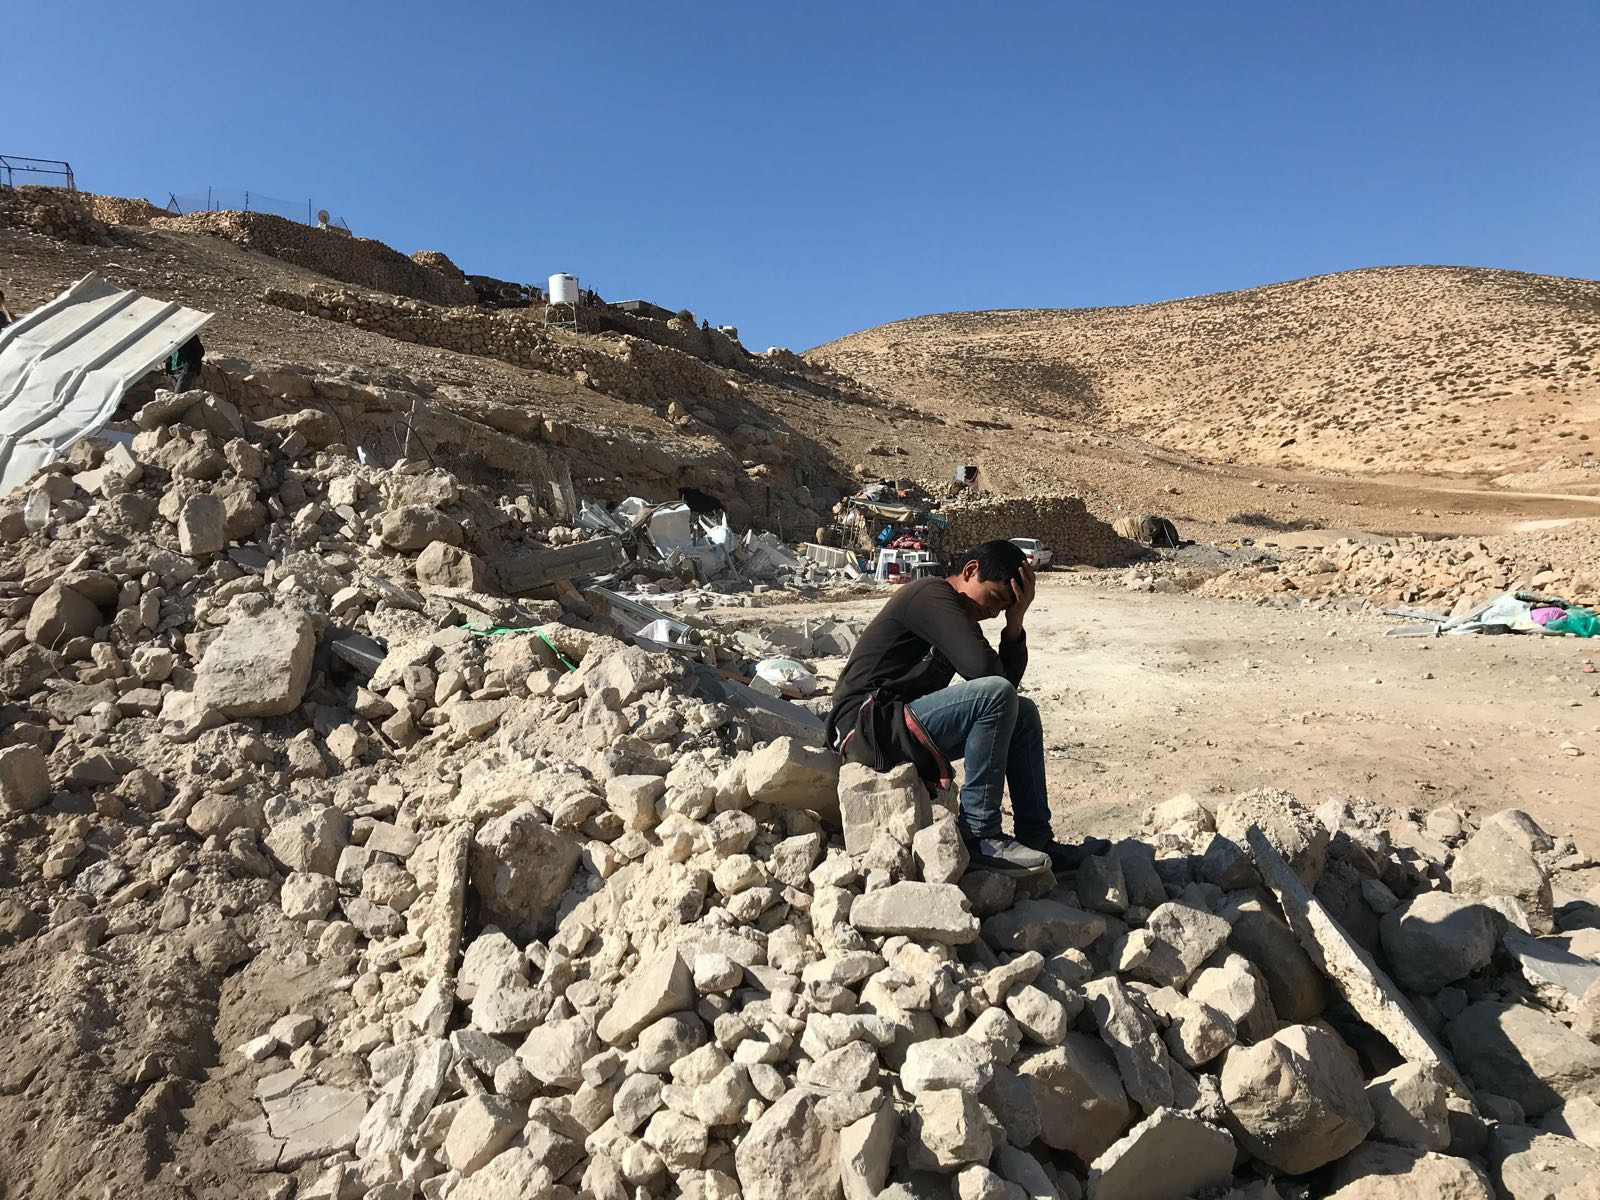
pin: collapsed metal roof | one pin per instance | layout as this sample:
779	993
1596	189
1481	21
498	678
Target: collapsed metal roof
64	367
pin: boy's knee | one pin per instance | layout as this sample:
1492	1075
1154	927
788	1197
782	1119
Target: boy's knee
998	691
1027	712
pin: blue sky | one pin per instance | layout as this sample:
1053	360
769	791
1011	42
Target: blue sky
806	170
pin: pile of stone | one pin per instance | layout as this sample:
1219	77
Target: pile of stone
1063	523
594	930
1454	574
704	973
52	212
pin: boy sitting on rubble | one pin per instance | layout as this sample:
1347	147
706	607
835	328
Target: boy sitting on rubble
895	703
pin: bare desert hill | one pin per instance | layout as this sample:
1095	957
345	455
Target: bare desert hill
1125	407
1451	370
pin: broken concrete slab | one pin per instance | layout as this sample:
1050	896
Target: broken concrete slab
313	1121
1551	960
1351	969
1167	1156
526	568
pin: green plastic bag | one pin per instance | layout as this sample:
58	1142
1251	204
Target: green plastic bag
1579	621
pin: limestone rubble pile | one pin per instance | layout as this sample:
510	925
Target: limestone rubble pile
1452	575
592	931
53	212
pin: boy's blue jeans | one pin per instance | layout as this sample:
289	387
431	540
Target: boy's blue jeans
999	739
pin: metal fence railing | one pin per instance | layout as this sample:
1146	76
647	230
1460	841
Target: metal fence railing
55	172
215	199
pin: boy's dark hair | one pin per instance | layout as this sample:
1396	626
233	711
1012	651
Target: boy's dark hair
997	560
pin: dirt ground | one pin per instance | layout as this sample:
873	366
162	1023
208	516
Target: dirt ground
1146	695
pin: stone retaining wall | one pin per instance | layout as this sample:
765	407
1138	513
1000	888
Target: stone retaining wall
361	261
628	368
1064	524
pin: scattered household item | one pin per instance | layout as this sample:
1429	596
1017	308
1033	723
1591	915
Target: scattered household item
65	366
899	566
791	679
1150	529
1519	611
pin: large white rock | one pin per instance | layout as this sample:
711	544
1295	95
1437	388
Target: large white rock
258	667
791	774
864	1150
1375	1171
1139	1050
938	912
24	778
1436	939
202	525
1181	938
1498	861
555	1052
520	867
59	615
950	1129
1411	1106
1527	1055
1082	1105
870	801
789	1154
660	985
1296	1099
482	1127
941	1063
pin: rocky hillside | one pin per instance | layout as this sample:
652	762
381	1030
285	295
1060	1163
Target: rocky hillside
1437	369
628	406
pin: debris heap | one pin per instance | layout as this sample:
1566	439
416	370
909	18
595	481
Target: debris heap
604	925
1455	573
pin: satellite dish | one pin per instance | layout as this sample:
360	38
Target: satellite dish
322	216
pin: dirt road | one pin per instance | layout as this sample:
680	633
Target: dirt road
1148	695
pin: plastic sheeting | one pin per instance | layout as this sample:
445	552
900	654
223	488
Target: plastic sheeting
64	367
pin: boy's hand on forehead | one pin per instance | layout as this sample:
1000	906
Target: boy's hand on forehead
1022	592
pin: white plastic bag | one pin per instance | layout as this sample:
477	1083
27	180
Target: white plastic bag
789	677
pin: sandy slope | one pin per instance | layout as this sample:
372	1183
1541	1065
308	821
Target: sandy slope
1438	369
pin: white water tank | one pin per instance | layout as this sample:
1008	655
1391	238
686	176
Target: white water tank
563	289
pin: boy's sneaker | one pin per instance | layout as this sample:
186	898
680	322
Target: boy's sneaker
1064	858
1006	856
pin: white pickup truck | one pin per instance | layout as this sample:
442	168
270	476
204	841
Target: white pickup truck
1038	553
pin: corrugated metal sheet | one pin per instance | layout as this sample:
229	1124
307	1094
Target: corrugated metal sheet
64	367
